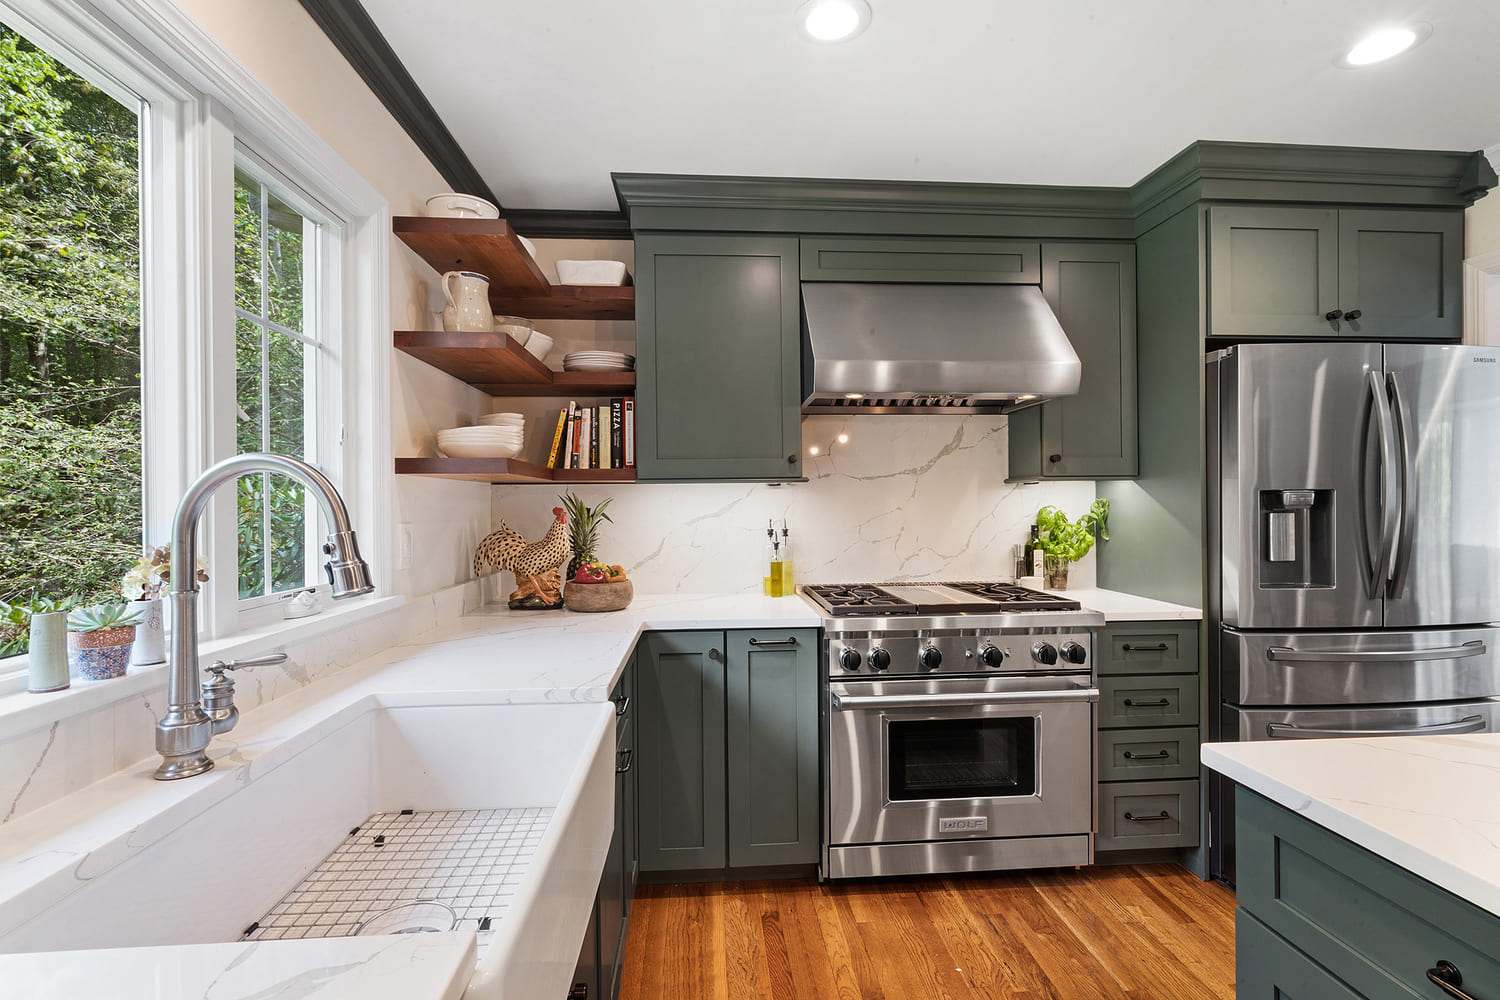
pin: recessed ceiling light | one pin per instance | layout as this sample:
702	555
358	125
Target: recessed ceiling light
1387	43
834	20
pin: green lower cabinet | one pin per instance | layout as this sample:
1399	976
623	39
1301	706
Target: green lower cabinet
718	358
1091	435
728	750
1312	901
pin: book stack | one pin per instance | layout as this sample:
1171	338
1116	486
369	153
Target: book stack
595	437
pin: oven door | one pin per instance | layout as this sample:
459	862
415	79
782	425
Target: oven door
956	758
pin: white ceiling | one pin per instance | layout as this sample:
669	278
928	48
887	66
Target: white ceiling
548	96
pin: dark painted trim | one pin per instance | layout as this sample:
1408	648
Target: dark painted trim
354	34
563	224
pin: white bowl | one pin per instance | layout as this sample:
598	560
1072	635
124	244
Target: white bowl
490	449
502	420
519	329
539	346
460	206
481	434
591	272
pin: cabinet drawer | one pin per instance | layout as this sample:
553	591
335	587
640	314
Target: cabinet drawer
1361	917
1266	967
1147	814
992	262
1148	701
1148	754
1148	648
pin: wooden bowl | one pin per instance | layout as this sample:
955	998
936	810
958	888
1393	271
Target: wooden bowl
598	596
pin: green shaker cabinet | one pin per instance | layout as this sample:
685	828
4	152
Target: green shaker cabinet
718	358
1322	272
1092	435
728	745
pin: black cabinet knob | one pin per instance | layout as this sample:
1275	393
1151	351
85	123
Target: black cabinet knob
1353	314
1054	459
1333	314
791	459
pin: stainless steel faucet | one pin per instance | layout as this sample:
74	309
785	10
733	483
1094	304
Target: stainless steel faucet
183	733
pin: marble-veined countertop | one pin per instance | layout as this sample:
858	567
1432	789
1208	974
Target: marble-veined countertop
1430	804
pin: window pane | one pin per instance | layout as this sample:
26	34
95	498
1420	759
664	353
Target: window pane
284	264
246	243
248	385
70	353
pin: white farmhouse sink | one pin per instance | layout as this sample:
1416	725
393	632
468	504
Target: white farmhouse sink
212	870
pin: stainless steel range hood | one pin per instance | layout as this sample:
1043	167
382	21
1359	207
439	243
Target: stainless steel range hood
907	348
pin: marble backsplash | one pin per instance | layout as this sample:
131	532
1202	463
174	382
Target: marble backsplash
904	498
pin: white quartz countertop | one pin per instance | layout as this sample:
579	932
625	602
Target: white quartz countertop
1118	607
1430	804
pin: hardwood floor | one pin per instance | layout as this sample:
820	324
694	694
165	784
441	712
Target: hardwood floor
1148	932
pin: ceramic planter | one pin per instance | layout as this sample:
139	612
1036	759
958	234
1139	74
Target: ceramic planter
47	653
150	635
98	656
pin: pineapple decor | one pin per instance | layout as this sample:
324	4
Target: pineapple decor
592	585
583	530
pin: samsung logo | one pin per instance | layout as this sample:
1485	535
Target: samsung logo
963	824
1481	359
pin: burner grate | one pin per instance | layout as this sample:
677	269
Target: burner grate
1012	597
844	599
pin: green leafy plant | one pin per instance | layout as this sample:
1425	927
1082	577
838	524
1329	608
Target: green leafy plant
583	529
103	616
1071	540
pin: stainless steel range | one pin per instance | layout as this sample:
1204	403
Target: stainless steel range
960	728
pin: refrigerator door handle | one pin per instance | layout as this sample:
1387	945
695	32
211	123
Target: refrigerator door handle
1285	731
1401	563
1286	654
1390	502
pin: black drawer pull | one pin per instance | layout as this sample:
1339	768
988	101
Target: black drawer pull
1148	819
1158	703
622	706
623	760
774	642
1159	755
1160	647
1447	976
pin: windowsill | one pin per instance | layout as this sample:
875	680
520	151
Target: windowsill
23	712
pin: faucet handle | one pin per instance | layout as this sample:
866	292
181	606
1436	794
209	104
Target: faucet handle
218	691
219	666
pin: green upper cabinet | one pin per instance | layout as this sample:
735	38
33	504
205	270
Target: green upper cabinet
1092	435
1304	272
718	358
992	262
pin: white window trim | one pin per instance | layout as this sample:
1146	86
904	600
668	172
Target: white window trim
202	100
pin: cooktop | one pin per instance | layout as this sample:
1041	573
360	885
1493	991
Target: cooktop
891	599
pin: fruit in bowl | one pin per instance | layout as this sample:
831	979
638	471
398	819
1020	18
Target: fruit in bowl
598	572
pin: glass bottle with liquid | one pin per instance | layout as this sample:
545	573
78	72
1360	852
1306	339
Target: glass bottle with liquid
782	584
773	556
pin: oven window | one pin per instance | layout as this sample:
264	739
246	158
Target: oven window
962	758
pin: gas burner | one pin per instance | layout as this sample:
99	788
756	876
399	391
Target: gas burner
1011	597
892	599
858	599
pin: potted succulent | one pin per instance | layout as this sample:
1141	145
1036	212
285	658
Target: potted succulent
143	587
1063	542
38	628
591	585
99	640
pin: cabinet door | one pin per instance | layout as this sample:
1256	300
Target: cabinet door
1091	288
680	750
586	972
773	747
718	358
1266	967
1272	272
1403	272
991	262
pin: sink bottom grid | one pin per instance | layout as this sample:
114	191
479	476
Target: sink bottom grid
471	859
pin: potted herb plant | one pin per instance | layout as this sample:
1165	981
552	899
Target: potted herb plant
99	640
143	587
38	628
1063	542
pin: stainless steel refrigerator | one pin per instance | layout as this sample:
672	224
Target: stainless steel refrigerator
1354	546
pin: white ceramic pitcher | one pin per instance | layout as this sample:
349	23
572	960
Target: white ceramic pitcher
468	295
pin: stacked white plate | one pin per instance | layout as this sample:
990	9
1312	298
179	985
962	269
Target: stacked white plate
516	420
598	361
481	442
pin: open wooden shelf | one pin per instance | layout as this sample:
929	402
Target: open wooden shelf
517	285
506	470
496	364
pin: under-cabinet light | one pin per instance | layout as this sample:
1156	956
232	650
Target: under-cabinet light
834	20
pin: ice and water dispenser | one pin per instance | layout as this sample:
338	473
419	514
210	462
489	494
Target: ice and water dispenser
1296	547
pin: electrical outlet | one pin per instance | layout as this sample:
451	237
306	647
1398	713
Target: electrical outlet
403	545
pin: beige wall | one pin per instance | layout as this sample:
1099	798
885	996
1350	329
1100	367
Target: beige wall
1483	226
281	45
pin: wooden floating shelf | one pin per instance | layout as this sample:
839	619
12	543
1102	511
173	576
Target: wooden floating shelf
495	363
517	285
506	470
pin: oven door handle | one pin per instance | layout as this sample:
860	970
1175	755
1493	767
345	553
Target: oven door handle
1286	731
846	703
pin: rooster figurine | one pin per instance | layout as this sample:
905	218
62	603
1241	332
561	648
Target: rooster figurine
535	564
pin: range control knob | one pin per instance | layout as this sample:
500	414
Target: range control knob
849	659
931	658
1044	652
1074	653
991	655
879	659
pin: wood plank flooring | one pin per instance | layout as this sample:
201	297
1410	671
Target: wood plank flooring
1146	932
